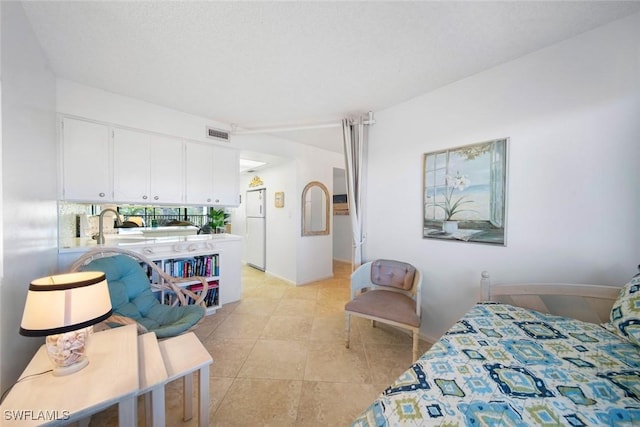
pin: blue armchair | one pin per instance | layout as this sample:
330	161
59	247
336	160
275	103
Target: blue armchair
132	297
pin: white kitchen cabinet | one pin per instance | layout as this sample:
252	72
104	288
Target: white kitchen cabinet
226	176
107	163
86	161
148	168
198	174
212	175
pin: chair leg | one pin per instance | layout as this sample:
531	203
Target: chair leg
347	329
415	345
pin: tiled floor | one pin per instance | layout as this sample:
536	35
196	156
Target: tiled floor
279	357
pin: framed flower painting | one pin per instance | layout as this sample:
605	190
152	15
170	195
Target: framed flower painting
465	191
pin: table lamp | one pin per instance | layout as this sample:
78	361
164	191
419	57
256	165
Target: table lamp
64	308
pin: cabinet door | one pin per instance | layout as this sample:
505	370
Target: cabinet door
131	166
167	167
226	177
199	174
86	163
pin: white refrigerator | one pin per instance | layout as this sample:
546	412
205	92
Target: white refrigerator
256	237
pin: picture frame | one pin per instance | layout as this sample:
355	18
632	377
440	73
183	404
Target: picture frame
465	193
279	199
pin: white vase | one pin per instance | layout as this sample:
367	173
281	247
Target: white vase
450	227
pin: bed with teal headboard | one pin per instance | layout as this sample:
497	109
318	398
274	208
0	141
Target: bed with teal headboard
510	362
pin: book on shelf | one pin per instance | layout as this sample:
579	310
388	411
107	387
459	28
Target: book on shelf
211	298
204	265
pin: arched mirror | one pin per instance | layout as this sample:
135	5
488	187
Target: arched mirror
315	209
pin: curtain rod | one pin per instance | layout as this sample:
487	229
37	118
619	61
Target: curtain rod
369	121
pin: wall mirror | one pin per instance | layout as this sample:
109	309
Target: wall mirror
315	209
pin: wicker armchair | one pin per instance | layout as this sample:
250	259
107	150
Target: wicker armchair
132	294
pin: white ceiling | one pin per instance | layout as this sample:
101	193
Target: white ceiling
272	64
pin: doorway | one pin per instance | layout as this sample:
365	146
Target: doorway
342	235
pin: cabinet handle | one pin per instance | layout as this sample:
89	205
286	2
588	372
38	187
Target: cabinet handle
209	199
144	197
217	200
156	198
101	194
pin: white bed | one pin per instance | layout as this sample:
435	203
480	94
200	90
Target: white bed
529	354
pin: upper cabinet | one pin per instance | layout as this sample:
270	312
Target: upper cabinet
147	168
86	161
198	174
226	177
212	175
103	163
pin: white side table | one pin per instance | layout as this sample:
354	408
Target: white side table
111	377
183	355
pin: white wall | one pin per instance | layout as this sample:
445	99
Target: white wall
85	101
29	213
315	253
572	113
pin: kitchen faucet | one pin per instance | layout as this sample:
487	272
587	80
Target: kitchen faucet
101	221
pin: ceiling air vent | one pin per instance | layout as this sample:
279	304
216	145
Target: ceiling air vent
219	134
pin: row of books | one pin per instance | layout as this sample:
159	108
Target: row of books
205	265
210	300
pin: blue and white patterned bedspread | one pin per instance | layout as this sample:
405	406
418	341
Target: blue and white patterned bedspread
502	365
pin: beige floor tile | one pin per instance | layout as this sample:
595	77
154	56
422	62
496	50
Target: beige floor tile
226	309
259	402
228	355
387	362
264	291
257	306
329	307
302	292
332	328
276	359
295	307
243	326
208	325
339	293
288	328
331	361
325	403
218	388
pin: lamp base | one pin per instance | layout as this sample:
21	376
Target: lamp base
68	351
60	371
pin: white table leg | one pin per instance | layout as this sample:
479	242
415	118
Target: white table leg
187	396
127	411
203	398
148	407
157	406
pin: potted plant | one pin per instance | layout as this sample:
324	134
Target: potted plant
450	206
218	220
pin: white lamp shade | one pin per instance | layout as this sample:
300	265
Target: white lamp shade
65	302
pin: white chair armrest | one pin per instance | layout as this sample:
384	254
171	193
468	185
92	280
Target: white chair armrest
360	279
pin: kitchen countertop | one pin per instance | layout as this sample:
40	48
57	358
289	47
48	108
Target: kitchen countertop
137	240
